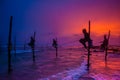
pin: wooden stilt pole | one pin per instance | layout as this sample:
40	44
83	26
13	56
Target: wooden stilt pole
56	53
88	61
33	50
10	45
56	48
106	53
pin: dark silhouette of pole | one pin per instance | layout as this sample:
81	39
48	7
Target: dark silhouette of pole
106	48
10	45
56	52
56	49
33	49
88	61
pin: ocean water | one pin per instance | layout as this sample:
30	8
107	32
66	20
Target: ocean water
69	65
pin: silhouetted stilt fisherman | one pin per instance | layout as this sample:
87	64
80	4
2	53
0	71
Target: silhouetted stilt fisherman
104	44
55	45
32	42
32	45
83	42
106	48
86	39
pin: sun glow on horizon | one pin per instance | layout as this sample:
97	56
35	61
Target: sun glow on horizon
97	29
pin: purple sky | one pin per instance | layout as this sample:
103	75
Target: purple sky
60	18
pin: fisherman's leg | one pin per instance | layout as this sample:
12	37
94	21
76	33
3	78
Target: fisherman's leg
83	41
85	46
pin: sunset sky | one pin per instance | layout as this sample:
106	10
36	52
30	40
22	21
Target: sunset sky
60	18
